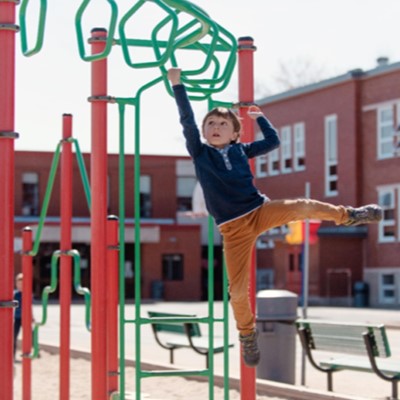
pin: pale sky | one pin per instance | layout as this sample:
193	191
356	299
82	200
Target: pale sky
335	36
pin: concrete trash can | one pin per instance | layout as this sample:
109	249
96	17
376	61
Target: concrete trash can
157	290
361	294
276	314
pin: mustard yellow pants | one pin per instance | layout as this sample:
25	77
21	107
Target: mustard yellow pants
240	235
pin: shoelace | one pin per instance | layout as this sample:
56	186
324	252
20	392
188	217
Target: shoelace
249	344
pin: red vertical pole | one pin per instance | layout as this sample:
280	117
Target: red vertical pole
7	136
65	260
246	50
27	270
112	303
98	178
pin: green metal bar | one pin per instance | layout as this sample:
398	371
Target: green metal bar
226	330
197	13
40	30
46	200
138	293
82	170
152	374
52	288
174	320
123	39
164	44
110	35
211	307
45	299
83	291
49	188
121	108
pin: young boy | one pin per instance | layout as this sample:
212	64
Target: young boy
240	211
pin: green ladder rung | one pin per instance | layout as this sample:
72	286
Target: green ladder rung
150	374
173	320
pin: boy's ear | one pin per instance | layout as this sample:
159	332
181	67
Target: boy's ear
237	136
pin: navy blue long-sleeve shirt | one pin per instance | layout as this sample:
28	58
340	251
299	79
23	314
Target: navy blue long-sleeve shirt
225	174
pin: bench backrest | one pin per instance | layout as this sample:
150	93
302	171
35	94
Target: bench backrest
344	337
174	327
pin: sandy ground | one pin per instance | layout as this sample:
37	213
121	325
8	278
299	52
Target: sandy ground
45	383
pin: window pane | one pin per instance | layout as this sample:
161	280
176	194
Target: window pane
172	267
145	184
386	115
185	186
30	194
388	279
386	199
388	293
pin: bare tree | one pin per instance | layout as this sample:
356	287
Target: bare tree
298	72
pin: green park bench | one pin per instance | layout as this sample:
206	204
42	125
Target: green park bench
359	347
176	335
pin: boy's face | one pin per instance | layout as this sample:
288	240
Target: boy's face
219	131
18	283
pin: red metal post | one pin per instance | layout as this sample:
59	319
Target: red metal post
112	303
27	270
246	50
7	136
65	260
98	179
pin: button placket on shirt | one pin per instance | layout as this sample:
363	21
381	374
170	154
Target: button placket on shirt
224	153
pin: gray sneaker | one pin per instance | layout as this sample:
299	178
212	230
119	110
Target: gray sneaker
250	351
364	215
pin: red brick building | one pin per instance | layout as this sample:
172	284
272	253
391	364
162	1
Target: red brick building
171	253
338	136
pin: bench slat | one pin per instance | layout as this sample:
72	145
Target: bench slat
389	367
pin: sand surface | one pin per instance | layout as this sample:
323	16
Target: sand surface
45	383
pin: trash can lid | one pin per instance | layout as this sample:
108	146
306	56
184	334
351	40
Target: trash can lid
274	293
276	305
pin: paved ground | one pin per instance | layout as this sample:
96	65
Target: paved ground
357	384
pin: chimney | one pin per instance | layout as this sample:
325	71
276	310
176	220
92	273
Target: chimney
382	61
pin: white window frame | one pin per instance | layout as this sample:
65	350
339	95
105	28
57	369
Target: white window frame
299	146
392	191
382	287
286	148
330	161
273	156
383	125
261	161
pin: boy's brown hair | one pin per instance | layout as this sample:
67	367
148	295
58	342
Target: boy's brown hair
227	114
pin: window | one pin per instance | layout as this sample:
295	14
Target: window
145	196
262	166
299	147
289	157
185	188
387	288
172	267
273	162
385	132
30	194
331	156
387	227
286	148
